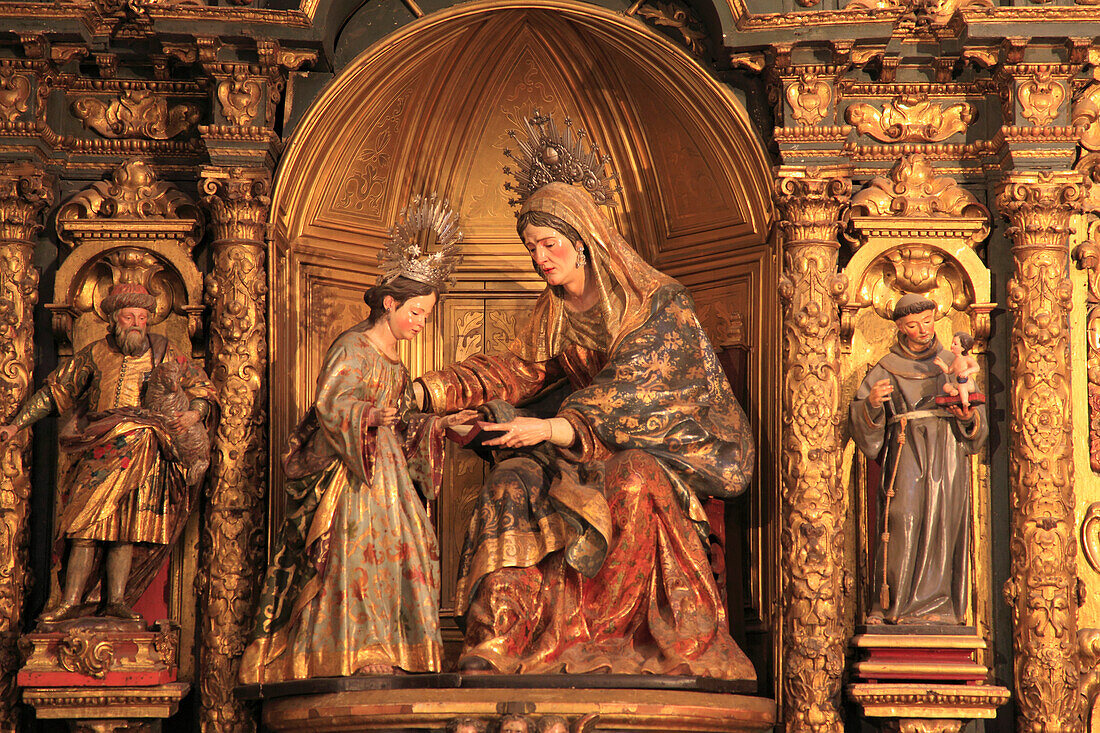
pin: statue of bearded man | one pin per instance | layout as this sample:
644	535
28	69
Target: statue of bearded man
124	496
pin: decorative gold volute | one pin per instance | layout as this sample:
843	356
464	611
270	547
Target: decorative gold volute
910	118
915	232
132	228
138	113
1041	97
1086	115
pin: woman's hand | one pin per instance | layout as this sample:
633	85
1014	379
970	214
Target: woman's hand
522	431
379	416
457	418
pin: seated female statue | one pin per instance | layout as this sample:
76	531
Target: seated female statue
587	549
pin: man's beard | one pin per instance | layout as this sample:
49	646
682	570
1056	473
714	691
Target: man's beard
131	342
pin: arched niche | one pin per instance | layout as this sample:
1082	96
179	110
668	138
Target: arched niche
428	109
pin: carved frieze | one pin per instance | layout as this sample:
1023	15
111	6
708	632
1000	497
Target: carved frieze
813	504
1042	590
81	651
910	118
913	189
137	113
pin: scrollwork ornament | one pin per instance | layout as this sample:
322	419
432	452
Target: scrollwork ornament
809	97
1041	96
25	193
238	203
84	653
910	118
15	93
138	113
1087	255
240	98
1042	588
1086	115
810	202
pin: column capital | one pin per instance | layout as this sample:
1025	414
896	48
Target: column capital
810	199
25	191
238	202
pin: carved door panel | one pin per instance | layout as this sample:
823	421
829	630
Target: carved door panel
468	325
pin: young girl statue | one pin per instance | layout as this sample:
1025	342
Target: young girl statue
353	587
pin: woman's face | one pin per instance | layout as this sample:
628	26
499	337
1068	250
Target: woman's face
553	254
408	319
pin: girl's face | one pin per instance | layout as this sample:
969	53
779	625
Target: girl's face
553	254
408	319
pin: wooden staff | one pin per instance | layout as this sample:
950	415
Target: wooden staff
884	593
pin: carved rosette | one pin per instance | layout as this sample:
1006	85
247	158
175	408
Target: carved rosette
810	202
237	202
25	192
1043	588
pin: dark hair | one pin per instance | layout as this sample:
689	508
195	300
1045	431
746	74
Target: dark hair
542	219
400	289
912	304
965	340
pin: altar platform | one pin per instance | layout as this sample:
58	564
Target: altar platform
467	703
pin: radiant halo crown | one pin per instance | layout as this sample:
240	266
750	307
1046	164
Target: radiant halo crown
548	155
426	218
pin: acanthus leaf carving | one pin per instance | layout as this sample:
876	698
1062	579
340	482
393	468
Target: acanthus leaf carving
810	98
910	118
137	113
679	18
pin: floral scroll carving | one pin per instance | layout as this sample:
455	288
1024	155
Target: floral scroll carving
810	201
138	113
910	118
912	188
1042	590
809	97
25	193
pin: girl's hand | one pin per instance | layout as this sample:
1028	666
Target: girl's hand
522	431
382	416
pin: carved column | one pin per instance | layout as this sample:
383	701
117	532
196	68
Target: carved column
25	191
1043	588
237	203
813	505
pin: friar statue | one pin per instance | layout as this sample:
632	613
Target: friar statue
924	497
134	469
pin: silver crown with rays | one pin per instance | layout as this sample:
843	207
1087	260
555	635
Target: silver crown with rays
549	156
426	218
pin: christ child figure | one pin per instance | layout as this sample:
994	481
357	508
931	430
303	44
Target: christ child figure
961	369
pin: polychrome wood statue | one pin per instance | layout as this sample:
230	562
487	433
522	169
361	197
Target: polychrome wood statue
353	586
587	548
921	573
136	467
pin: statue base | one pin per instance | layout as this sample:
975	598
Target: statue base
468	703
108	709
915	653
949	705
98	652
